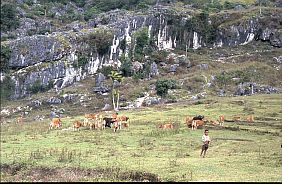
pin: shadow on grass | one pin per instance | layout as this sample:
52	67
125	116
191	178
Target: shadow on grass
21	172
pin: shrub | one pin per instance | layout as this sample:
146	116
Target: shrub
5	57
141	40
126	68
100	40
35	87
7	88
159	56
162	86
200	24
106	70
9	19
90	12
82	60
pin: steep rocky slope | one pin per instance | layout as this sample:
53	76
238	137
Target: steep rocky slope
48	54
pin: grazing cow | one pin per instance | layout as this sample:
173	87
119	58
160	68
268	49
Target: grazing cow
221	120
114	115
199	123
250	119
236	118
122	120
166	126
116	125
195	121
93	120
91	115
199	117
214	122
125	125
108	121
56	122
20	119
76	125
188	121
100	124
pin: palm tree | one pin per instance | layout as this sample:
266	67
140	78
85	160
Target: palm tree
115	76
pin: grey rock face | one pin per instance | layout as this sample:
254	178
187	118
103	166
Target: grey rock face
107	107
278	60
54	100
101	89
32	50
137	66
70	97
203	66
35	103
222	92
55	53
252	88
173	68
154	69
99	79
151	101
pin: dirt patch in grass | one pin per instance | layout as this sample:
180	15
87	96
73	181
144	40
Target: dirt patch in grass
238	128
233	139
18	172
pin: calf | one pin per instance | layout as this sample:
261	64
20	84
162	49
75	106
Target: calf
166	126
116	125
122	120
100	124
76	125
214	122
236	118
198	123
200	117
108	121
20	120
188	121
221	120
55	123
250	119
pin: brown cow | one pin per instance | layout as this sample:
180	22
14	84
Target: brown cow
188	121
214	122
56	122
116	125
236	118
20	119
250	119
166	126
122	120
221	120
76	125
199	123
93	120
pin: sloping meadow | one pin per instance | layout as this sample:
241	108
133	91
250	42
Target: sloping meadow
239	151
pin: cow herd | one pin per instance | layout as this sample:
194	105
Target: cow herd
199	121
100	121
95	121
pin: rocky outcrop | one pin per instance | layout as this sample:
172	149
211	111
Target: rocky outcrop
50	58
252	88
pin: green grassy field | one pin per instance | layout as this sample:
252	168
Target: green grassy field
238	152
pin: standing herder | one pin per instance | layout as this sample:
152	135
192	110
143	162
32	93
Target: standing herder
206	140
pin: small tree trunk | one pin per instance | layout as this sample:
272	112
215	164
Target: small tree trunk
117	101
114	101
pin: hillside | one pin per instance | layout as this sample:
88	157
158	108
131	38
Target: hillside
155	62
52	45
